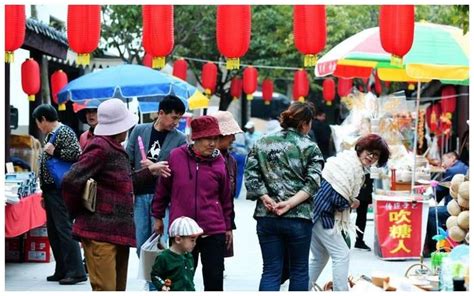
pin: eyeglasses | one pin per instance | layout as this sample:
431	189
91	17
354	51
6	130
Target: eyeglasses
373	154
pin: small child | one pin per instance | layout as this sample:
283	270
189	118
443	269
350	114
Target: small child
173	269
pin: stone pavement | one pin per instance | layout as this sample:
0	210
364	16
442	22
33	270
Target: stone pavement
242	271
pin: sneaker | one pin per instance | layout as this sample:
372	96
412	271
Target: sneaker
361	245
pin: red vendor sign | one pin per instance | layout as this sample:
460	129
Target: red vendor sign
399	227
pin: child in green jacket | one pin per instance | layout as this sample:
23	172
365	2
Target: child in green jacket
174	267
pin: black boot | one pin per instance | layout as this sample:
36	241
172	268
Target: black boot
360	244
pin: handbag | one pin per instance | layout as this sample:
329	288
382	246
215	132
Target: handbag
150	249
57	167
89	195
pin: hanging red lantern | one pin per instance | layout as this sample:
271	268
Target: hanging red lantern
209	78
309	30
236	88
30	78
58	81
233	26
180	69
267	91
83	30
250	81
397	28
344	87
14	29
329	90
301	85
158	32
448	106
147	60
433	113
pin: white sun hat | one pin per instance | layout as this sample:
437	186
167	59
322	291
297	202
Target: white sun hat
114	118
185	226
227	123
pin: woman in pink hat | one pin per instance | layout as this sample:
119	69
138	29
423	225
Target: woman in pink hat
199	188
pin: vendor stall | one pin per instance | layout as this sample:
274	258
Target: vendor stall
24	216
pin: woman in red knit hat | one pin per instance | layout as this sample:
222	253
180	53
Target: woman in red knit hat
199	188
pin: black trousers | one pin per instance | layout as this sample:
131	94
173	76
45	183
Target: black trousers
212	250
66	250
361	219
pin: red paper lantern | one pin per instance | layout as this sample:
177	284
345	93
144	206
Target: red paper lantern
58	81
433	113
180	69
147	60
250	81
236	88
300	86
397	28
158	32
344	87
233	26
209	78
309	29
329	90
14	29
267	91
30	78
83	30
448	106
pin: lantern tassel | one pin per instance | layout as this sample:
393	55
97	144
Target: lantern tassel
249	97
83	59
411	86
232	63
310	60
31	98
235	98
62	107
396	61
207	92
301	99
329	103
9	57
158	62
267	103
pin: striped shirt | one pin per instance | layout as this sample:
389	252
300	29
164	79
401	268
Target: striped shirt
325	204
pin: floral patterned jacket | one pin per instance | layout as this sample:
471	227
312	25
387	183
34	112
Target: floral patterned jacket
281	164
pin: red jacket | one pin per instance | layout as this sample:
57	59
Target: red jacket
197	188
105	161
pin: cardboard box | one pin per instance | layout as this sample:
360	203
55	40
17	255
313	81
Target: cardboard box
13	249
37	250
41	231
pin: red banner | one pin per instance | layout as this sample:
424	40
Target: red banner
399	228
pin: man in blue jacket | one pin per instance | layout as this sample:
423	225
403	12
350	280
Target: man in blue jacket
453	166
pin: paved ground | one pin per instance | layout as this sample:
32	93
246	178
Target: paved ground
242	271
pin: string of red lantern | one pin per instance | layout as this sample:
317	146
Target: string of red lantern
397	28
58	81
309	29
233	26
344	87
158	32
329	90
448	106
14	30
209	78
83	30
30	78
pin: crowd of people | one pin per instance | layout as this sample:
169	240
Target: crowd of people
159	183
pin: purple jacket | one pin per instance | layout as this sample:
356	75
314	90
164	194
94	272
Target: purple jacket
197	188
107	162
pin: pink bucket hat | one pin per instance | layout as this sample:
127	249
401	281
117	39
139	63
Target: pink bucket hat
114	118
204	127
227	123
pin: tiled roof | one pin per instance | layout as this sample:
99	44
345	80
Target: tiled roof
47	31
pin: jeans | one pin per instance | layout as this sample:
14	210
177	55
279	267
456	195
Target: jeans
144	223
277	236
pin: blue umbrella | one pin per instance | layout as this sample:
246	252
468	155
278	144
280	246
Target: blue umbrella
128	81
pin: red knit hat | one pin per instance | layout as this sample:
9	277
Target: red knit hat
204	127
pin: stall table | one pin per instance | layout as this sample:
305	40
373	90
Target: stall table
24	216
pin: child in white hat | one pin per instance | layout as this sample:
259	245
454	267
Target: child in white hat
173	269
